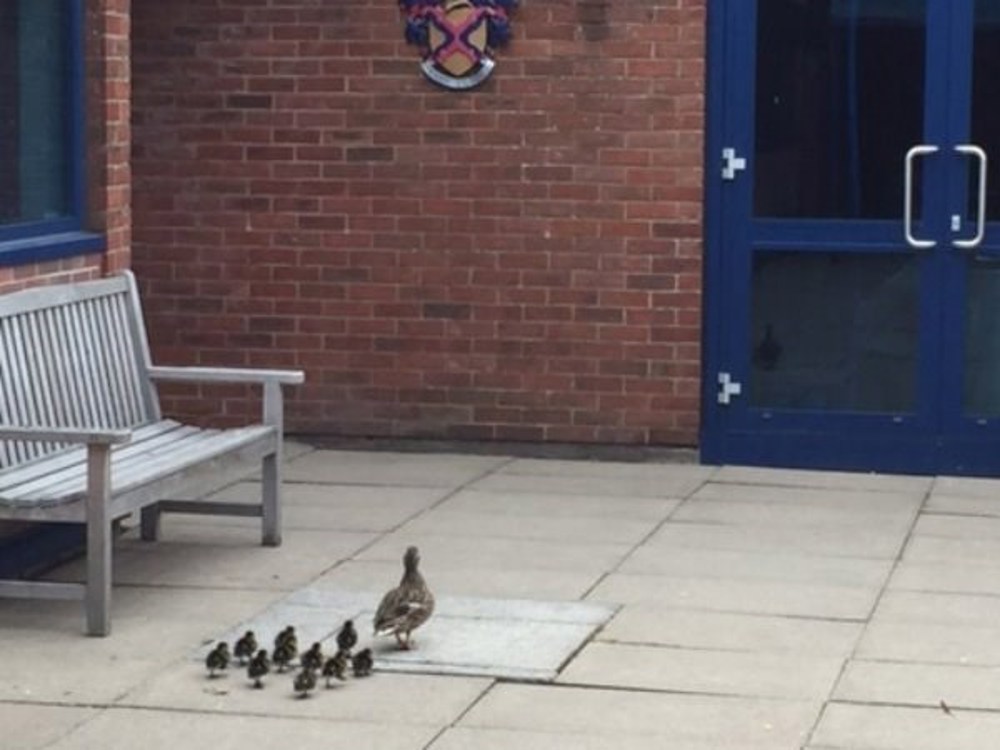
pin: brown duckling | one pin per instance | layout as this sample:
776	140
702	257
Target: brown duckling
217	659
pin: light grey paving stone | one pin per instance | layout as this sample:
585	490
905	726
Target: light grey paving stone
704	671
753	514
192	554
389	468
930	607
46	658
557	505
654	624
908	640
963	505
33	727
755	597
921	684
527	640
345	507
507	582
439	552
520	739
842	480
871	543
678	720
577	484
624	470
127	729
833	497
765	565
892	728
958	527
956	578
445	521
922	549
966	487
395	700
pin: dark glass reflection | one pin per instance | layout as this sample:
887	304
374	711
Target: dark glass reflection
982	340
834	331
839	100
986	104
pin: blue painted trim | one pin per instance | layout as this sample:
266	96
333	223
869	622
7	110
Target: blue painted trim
47	247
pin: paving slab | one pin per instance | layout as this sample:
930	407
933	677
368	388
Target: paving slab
949	550
921	684
759	564
512	639
34	727
677	720
954	577
841	480
657	624
940	643
443	551
388	469
967	487
864	542
574	483
748	596
463	738
833	497
794	676
472	580
753	514
127	729
561	505
963	505
390	700
945	608
958	527
896	728
343	507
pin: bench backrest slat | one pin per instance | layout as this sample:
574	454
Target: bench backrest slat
73	356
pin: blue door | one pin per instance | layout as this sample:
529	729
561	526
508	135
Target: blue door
853	235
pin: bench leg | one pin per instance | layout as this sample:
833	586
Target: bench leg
149	523
271	500
97	600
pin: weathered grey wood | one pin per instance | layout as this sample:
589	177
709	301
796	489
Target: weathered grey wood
98	598
42	590
227	375
210	508
82	438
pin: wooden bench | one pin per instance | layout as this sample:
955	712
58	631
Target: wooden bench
82	439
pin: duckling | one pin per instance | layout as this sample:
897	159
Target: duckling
304	682
336	666
362	663
406	607
313	658
287	635
347	638
245	647
260	665
217	659
283	656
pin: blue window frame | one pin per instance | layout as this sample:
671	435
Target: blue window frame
42	148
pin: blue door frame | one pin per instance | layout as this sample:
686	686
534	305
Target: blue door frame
935	436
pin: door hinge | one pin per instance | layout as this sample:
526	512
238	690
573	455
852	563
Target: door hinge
731	163
728	388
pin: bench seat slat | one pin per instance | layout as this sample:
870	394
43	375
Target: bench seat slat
47	466
137	468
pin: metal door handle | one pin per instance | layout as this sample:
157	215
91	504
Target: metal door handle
920	150
976	151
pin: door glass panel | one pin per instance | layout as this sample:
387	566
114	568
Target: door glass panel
986	103
839	101
834	331
982	340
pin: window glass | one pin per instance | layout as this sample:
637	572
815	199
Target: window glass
35	142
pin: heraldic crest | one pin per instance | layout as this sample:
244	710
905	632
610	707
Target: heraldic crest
458	37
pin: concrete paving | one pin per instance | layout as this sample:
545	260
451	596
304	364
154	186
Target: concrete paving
749	608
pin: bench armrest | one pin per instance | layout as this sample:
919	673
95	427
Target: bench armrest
227	375
96	436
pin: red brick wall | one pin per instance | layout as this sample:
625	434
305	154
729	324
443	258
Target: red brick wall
108	146
521	262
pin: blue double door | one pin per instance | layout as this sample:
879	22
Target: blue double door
853	235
